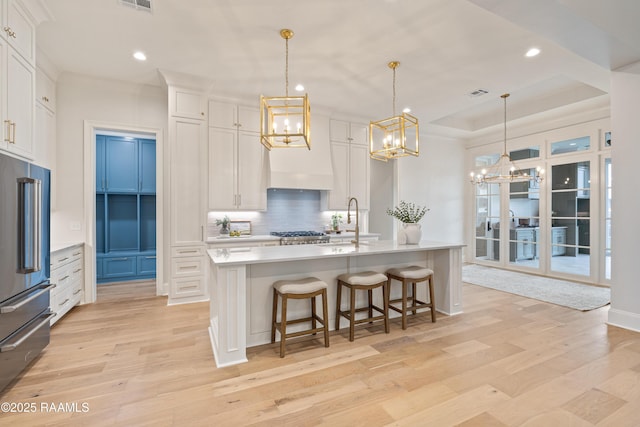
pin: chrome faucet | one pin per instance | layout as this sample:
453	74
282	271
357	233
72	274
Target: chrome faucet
357	230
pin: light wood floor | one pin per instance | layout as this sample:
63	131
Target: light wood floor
507	361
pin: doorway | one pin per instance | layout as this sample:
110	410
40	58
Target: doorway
91	130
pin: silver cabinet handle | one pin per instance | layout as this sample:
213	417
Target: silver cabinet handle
63	302
12	308
13	346
77	292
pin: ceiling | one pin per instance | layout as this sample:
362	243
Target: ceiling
447	49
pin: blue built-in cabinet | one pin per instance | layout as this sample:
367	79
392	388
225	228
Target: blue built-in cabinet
125	208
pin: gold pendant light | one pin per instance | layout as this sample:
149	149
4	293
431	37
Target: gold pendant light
396	136
285	120
505	170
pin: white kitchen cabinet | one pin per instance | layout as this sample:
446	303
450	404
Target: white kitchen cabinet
350	162
187	103
188	191
67	273
228	115
17	96
353	133
44	150
19	30
45	91
237	162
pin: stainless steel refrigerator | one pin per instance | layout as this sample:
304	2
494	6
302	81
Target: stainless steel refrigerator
24	265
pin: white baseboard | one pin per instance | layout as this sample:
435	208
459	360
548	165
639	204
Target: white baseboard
624	319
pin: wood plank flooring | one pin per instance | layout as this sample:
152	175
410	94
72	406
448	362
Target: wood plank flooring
507	361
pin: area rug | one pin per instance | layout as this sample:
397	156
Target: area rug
561	292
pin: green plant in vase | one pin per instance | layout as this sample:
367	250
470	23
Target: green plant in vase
410	215
224	223
336	220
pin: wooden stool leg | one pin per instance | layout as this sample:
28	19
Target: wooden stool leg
413	297
283	325
432	299
274	315
385	305
325	318
338	304
404	304
352	310
313	313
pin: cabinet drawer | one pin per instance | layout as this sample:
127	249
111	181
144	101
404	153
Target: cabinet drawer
187	251
187	267
65	256
147	264
188	287
118	266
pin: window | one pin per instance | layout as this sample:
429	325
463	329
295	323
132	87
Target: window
571	145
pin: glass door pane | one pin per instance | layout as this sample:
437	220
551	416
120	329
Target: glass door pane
607	219
570	218
487	219
524	221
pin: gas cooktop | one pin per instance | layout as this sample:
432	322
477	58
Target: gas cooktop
296	233
301	237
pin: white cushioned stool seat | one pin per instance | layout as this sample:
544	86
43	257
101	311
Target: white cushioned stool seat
299	286
411	272
364	278
362	281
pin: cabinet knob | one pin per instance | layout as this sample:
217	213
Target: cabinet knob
45	99
10	32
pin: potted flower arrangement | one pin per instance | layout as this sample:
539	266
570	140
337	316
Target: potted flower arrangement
224	222
336	220
410	215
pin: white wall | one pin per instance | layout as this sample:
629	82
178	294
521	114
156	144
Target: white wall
436	179
86	98
625	152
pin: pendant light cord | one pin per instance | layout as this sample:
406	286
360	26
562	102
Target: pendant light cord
505	96
286	67
394	91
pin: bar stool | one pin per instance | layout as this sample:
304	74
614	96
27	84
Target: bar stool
364	281
412	274
308	287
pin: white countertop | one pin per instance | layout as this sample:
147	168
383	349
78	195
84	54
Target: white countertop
58	246
260	255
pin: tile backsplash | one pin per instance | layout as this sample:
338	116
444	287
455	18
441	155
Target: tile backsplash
287	210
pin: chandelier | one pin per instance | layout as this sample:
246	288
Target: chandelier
505	170
285	120
396	136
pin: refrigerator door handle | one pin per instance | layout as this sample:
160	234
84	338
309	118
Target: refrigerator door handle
29	225
12	346
42	289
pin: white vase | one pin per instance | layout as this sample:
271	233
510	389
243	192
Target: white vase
413	233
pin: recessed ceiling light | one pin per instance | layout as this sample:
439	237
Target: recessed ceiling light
140	56
299	87
534	51
406	110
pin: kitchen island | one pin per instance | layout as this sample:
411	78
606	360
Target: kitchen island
240	284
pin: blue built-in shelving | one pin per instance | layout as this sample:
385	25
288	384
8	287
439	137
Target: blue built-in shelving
125	208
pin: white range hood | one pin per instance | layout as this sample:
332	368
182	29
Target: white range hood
300	168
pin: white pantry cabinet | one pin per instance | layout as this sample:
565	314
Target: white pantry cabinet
350	161
237	160
19	29
188	191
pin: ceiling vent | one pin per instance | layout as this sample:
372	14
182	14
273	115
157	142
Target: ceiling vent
138	4
478	92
